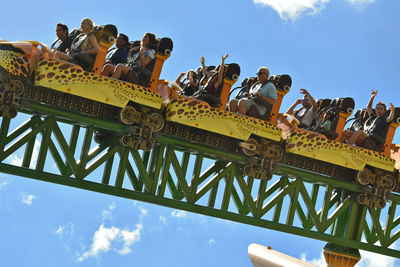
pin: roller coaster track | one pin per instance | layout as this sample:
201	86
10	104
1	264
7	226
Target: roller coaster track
198	178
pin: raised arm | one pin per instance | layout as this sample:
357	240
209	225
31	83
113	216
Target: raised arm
203	66
371	101
292	107
192	80
391	115
312	100
221	71
178	79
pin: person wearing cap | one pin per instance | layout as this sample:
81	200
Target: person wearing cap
119	55
262	89
307	113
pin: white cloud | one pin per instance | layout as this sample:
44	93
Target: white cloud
144	212
112	206
106	214
27	199
360	2
293	9
163	219
211	241
65	229
317	262
17	161
60	230
3	184
368	259
104	238
178	214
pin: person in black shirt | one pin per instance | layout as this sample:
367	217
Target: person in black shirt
375	128
119	55
63	41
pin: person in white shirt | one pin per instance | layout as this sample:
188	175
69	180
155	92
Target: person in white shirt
308	112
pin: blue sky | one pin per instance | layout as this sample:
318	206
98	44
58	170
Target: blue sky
332	48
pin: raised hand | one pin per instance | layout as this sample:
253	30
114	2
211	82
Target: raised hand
202	60
374	93
304	91
224	57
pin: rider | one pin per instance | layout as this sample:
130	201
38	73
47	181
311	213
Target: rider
262	90
308	112
375	128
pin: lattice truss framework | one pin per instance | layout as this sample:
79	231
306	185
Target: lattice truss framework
295	201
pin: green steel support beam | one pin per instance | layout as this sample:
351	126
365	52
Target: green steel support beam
189	176
120	192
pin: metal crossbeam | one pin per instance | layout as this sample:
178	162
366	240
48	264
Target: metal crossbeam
192	177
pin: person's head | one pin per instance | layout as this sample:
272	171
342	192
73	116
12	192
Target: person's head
306	101
61	31
213	78
211	73
321	116
122	40
87	25
380	108
189	74
327	116
149	39
263	74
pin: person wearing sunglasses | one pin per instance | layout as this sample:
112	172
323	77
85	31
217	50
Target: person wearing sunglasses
262	95
308	112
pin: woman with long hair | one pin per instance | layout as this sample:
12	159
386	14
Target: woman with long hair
84	47
139	57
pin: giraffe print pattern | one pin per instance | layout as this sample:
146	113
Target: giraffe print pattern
199	114
15	63
317	146
72	79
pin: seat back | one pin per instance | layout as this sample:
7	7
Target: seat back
105	35
163	52
282	83
244	87
345	107
359	119
391	131
231	75
339	109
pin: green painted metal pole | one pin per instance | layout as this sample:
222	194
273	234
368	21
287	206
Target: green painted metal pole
321	178
110	190
76	117
168	140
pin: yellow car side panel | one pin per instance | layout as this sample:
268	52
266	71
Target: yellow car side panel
315	146
68	78
15	63
199	114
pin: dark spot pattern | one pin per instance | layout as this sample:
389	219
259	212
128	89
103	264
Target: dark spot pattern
313	145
